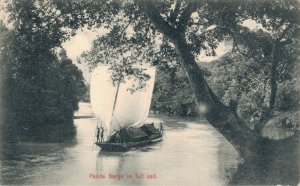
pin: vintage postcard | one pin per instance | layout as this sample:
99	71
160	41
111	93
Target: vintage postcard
149	92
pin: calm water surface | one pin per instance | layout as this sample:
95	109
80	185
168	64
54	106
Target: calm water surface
192	153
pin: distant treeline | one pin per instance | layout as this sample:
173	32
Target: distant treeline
231	78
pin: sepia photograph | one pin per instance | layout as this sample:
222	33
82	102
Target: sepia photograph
149	92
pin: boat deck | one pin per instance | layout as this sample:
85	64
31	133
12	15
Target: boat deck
121	147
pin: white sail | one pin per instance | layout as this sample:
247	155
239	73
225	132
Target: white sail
130	108
101	95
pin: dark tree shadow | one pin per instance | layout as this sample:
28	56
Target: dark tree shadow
277	162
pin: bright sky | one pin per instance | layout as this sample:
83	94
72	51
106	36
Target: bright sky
220	51
3	15
82	41
252	25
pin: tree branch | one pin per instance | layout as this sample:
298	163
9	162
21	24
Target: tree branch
157	20
174	14
235	42
284	32
186	14
273	81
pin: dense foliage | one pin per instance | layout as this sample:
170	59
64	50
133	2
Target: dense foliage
245	81
39	89
172	94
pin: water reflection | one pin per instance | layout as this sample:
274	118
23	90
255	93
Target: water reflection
188	155
23	161
276	133
279	166
191	153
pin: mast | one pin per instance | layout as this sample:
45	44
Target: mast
115	101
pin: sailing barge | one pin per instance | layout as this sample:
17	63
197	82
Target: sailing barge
131	138
122	113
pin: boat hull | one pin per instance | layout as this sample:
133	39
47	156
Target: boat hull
122	147
132	138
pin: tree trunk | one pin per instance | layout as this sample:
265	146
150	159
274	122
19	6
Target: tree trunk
273	80
253	148
273	84
222	117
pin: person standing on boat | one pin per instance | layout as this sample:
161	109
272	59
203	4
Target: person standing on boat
161	128
102	136
98	134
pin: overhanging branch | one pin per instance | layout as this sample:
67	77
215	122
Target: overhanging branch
153	14
174	14
186	14
284	32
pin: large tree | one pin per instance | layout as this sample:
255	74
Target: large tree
194	26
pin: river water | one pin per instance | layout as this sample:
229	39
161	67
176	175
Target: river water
191	153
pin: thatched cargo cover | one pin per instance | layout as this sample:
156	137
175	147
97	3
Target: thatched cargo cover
129	135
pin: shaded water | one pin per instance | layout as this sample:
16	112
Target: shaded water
191	153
